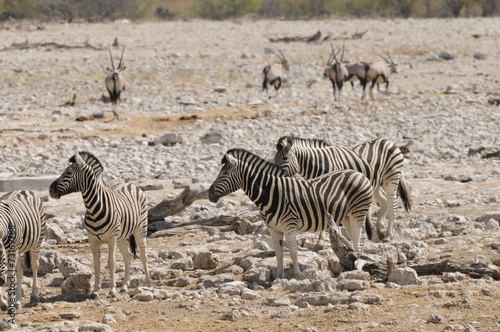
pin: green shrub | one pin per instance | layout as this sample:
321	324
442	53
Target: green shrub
223	9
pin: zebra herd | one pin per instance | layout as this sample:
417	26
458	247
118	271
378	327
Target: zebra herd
339	185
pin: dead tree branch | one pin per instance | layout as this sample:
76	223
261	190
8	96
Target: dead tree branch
26	45
315	38
473	270
169	207
380	268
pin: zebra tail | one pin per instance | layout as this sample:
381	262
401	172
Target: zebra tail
27	257
404	193
368	226
133	246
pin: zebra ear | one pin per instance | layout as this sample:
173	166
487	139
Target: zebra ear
289	141
230	159
79	161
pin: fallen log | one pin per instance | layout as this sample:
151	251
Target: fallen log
26	45
315	38
349	260
475	271
380	267
492	155
169	207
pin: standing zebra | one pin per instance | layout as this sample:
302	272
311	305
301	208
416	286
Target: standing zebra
385	159
289	205
22	227
113	216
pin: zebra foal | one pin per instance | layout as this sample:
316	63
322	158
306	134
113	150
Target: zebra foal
22	228
114	215
312	158
289	205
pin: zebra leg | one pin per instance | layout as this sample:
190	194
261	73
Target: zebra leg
277	238
34	268
321	239
95	245
127	259
356	228
291	241
111	265
382	201
140	238
391	199
19	281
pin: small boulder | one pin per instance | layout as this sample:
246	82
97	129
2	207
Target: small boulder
404	276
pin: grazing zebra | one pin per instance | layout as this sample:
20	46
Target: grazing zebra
113	216
289	205
22	227
386	161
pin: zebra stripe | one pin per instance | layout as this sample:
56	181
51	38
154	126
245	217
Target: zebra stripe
22	228
289	205
113	216
384	158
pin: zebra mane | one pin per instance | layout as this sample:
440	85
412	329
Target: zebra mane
302	142
91	160
255	160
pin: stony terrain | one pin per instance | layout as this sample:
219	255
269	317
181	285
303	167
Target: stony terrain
194	92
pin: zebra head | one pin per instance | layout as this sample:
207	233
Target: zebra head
285	158
228	181
74	177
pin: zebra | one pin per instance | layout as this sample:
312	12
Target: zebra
289	205
22	228
113	215
385	159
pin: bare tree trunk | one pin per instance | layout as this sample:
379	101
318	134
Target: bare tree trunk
169	207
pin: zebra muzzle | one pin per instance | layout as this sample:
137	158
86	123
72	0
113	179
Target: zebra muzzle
53	192
213	197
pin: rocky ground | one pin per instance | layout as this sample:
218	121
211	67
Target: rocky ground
194	92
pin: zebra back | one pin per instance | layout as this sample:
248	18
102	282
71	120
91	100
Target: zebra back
256	161
385	158
312	143
314	162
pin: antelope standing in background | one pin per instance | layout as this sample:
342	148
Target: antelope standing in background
357	71
273	74
379	72
336	71
115	83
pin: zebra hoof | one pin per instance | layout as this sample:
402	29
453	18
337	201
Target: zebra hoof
94	296
34	299
123	291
